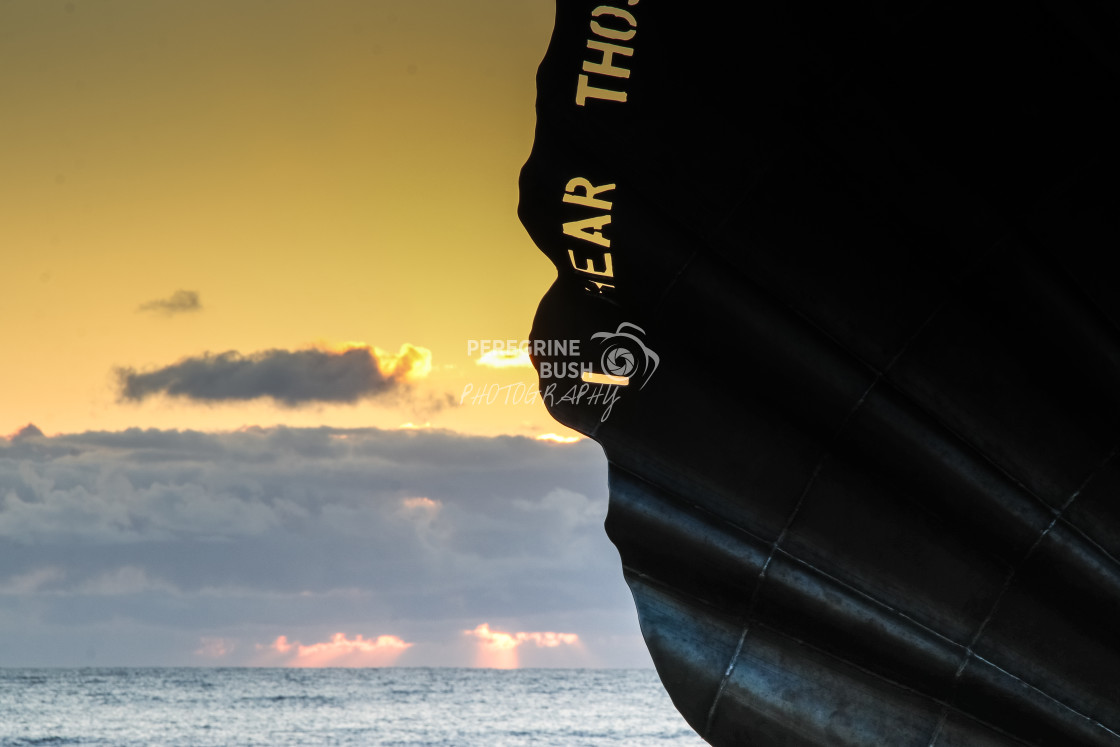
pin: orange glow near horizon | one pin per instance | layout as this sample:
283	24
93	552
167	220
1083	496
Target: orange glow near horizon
498	649
339	651
557	438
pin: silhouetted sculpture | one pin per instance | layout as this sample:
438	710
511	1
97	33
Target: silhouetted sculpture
868	494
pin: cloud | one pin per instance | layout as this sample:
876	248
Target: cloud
423	505
31	581
339	651
121	581
179	302
290	377
214	647
28	431
411	362
244	536
498	650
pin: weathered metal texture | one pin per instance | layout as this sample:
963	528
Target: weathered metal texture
869	495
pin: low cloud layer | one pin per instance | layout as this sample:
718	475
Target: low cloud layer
290	377
339	651
499	650
181	301
179	547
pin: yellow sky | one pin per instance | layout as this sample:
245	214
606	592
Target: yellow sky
317	172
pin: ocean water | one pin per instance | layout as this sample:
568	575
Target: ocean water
395	706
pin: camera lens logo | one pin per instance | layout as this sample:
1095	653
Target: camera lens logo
619	362
625	354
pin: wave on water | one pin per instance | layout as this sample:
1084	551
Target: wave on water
397	707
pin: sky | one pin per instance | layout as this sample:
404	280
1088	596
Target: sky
250	256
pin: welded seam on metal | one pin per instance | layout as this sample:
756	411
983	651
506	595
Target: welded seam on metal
1044	694
846	586
655	582
857	592
676	276
778	541
937	634
758	586
1058	516
899	685
879	603
946	703
969	654
879	375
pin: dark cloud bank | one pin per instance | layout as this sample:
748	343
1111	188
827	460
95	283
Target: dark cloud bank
129	547
291	377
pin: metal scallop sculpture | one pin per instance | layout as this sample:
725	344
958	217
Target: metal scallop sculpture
843	284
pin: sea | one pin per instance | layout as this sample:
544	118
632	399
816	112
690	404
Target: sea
413	707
